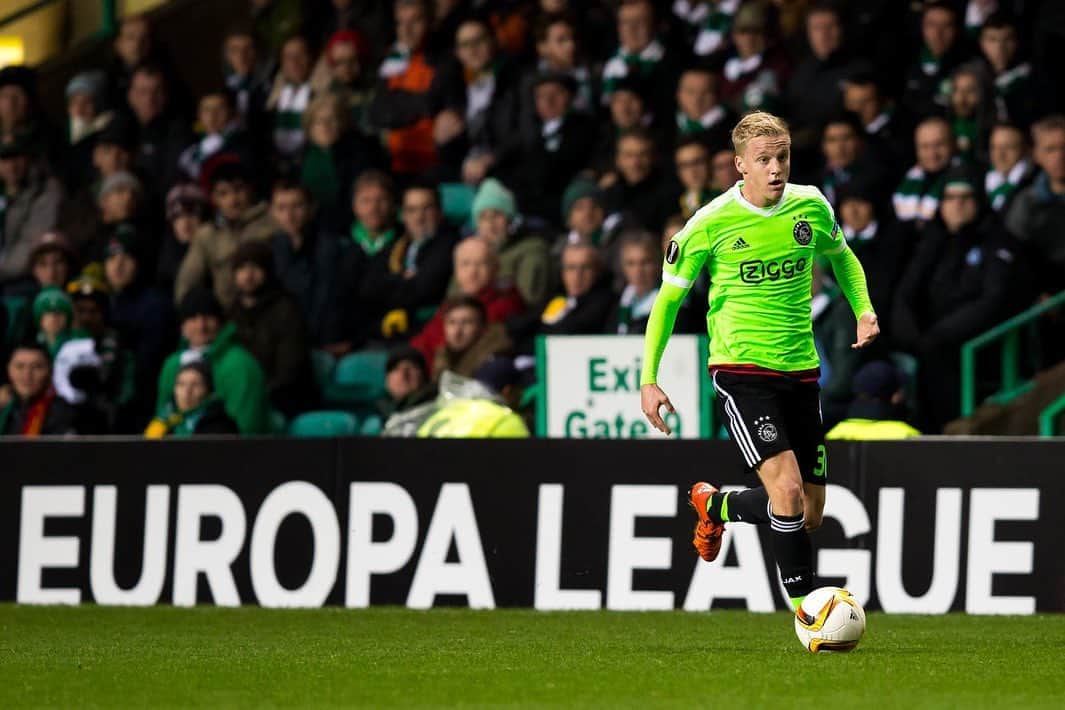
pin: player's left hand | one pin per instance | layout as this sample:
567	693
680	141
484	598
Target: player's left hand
868	329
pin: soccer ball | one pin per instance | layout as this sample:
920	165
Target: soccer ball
829	619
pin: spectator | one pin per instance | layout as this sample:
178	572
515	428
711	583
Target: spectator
972	111
699	113
92	371
246	78
847	156
557	148
193	408
708	23
239	381
53	315
407	382
640	53
52	259
754	73
814	90
219	121
87	115
875	412
35	409
132	48
628	112
641	192
290	97
186	210
140	313
833	331
478	129
275	22
691	318
373	232
942	50
305	259
641	265
1011	168
17	108
476	274
120	201
1037	216
582	307
405	102
1014	90
557	52
863	96
29	203
880	242
469	339
692	161
523	256
160	133
269	324
333	155
723	172
583	210
405	283
916	199
237	221
957	285
344	70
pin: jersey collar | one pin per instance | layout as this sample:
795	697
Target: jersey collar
738	195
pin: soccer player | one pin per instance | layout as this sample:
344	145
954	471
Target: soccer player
759	241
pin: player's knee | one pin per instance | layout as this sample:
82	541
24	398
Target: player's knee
813	519
787	497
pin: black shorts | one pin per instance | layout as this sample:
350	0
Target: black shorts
767	414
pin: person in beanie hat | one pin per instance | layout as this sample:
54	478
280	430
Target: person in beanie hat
963	279
524	258
86	99
52	259
874	413
407	382
237	220
140	313
629	109
206	336
270	325
193	408
34	409
186	211
53	316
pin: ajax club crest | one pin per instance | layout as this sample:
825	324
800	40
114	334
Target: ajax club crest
802	232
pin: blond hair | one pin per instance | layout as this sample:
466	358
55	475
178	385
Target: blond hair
757	124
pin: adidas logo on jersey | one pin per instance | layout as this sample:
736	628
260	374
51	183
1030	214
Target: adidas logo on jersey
740	244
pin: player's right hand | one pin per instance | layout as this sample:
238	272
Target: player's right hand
652	398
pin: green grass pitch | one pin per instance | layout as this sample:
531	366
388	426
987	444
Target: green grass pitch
106	657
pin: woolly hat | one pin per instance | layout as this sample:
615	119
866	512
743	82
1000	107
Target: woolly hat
121	180
254	252
492	195
200	301
580	188
51	299
90	82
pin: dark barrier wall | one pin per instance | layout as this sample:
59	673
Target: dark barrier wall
923	527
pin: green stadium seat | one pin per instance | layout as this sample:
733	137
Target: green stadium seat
276	422
371	425
323	365
359	379
324	424
456	201
18	312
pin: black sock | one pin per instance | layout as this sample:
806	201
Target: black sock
749	506
794	554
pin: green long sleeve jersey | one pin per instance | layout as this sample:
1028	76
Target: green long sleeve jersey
761	273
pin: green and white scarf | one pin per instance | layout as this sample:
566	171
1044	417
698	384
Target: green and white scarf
715	25
633	307
370	245
1001	187
917	196
288	118
622	63
689	126
395	63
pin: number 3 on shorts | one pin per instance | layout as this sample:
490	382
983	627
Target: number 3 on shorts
821	467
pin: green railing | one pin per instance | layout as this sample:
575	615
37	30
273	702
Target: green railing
1009	333
1049	416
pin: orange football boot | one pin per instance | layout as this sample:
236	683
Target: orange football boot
707	540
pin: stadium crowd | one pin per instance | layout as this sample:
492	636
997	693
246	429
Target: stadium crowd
444	181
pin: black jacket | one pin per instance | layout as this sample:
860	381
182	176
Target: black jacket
309	275
385	288
586	318
955	287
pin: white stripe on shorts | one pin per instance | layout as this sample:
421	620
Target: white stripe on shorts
739	429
